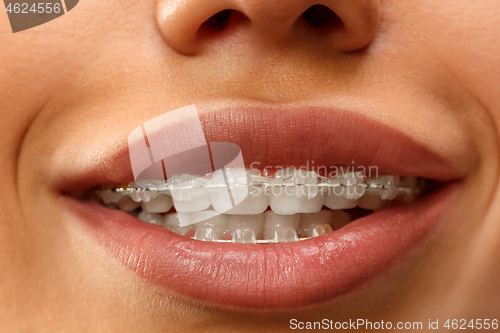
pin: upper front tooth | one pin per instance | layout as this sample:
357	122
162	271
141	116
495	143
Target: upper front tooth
162	203
299	194
247	199
281	228
347	195
321	229
245	228
188	194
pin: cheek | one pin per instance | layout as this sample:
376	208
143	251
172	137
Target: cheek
465	37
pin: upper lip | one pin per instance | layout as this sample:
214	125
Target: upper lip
295	137
268	277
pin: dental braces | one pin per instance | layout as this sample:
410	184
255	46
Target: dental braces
259	183
388	187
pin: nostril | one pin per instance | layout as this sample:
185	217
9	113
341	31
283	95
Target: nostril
320	16
219	20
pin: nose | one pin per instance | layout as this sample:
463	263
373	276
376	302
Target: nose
189	26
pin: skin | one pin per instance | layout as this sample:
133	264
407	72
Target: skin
73	88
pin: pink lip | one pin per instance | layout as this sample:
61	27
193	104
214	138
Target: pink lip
295	137
265	277
281	276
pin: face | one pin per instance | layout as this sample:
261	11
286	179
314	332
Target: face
407	86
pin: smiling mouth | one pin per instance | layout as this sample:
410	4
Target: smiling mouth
291	206
295	240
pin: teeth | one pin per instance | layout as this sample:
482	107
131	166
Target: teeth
376	198
281	228
321	229
151	218
190	218
162	203
336	199
296	198
371	200
111	206
309	221
156	184
245	228
247	199
127	204
187	195
172	222
328	219
255	203
351	180
390	182
211	229
346	196
244	236
109	197
412	184
139	196
207	234
230	205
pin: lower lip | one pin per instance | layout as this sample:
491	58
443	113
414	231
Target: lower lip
265	277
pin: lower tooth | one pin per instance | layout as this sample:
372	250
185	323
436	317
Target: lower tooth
207	234
151	218
171	221
244	236
281	228
127	204
162	203
211	229
371	200
321	229
245	228
308	222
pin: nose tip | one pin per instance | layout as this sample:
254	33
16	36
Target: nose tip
343	25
